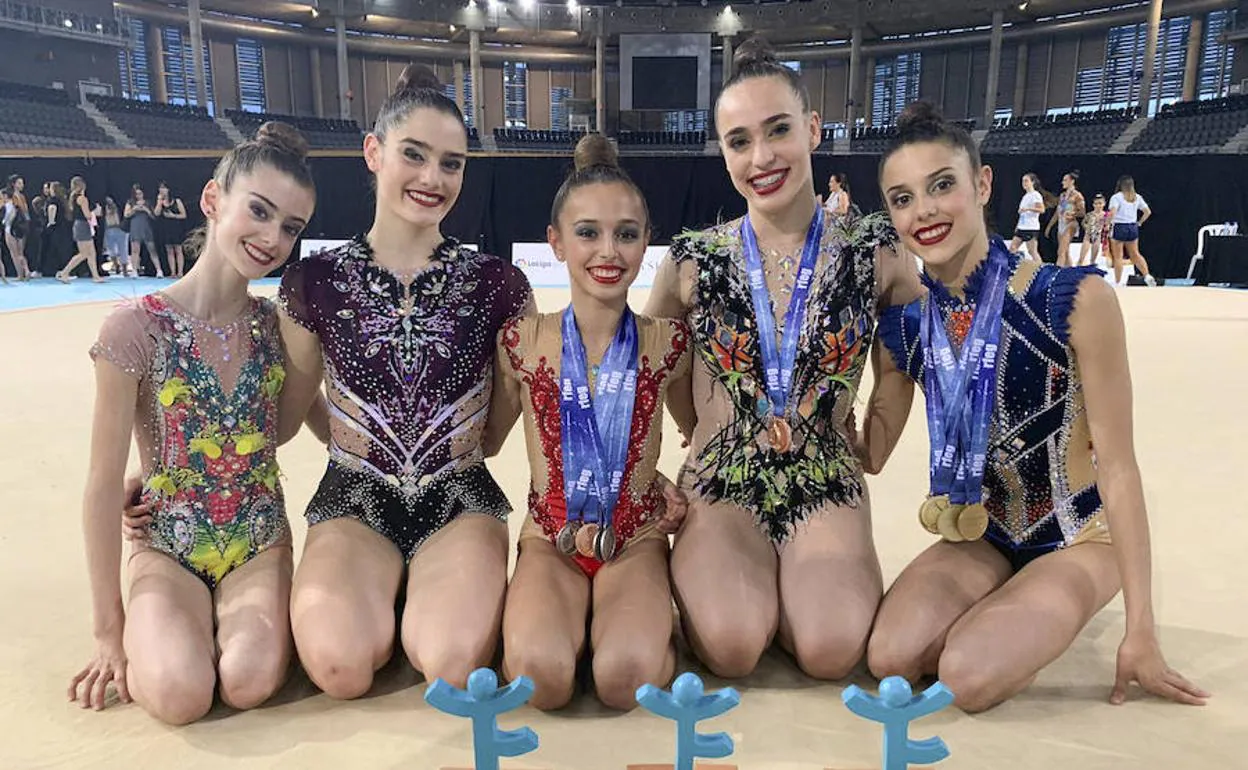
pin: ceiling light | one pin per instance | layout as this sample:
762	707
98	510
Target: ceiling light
572	6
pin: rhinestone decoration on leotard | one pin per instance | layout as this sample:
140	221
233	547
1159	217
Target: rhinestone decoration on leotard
1040	485
408	367
782	488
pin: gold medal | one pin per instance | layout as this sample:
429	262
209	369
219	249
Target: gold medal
780	435
585	537
947	523
973	521
930	510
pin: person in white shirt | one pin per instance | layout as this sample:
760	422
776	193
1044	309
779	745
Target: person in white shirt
838	194
1125	208
1035	200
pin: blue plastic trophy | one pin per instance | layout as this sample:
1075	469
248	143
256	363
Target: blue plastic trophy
895	708
482	703
687	705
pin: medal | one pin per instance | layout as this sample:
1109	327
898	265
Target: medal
604	544
594	435
947	524
780	435
565	541
960	392
973	521
779	359
585	537
930	510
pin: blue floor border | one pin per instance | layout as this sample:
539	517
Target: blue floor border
42	293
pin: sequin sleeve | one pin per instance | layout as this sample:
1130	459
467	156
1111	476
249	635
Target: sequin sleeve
126	341
678	338
294	296
517	297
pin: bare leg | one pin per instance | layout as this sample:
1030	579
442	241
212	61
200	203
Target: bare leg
928	597
180	260
253	631
724	576
1033	248
1063	247
1014	243
168	640
86	253
544	622
632	628
996	649
342	605
17	250
830	588
1115	254
455	588
1137	259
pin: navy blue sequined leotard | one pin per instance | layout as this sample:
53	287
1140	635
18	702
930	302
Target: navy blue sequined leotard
1040	484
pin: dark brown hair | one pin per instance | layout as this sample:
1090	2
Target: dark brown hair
921	121
755	58
597	162
278	145
417	87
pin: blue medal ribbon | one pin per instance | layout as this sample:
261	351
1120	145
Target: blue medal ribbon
960	391
778	364
595	430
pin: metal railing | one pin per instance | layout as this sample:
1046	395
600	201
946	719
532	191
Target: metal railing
55	22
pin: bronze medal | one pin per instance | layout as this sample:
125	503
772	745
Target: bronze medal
604	544
780	435
585	537
565	541
973	521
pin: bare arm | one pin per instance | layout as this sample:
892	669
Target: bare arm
116	395
680	404
888	409
1147	213
304	371
672	293
505	403
843	207
1099	339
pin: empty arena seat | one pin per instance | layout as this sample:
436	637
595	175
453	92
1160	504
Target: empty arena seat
1193	127
163	126
1069	134
321	133
32	117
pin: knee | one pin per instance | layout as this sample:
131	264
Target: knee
250	677
829	653
730	650
617	676
342	670
450	657
891	654
178	695
553	673
975	687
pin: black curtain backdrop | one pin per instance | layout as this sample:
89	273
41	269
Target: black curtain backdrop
507	199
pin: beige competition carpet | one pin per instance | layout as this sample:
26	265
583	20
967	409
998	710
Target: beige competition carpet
1189	355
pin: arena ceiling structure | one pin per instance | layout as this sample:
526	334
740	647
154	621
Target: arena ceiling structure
554	30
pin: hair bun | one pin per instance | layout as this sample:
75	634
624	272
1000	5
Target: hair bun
754	52
920	118
416	77
283	138
594	151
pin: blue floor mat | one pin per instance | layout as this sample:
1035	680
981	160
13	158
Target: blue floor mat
49	292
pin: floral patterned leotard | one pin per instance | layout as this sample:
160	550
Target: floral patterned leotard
206	426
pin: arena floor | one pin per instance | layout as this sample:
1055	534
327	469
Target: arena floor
1189	348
